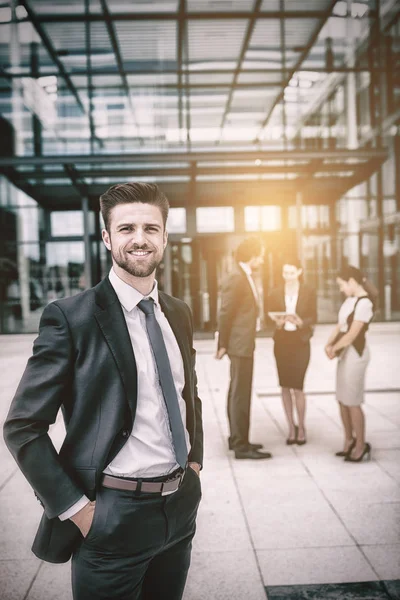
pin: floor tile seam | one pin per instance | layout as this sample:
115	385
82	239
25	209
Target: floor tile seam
280	430
333	509
381	502
379	545
382	415
28	591
208	552
24	559
326	414
380	465
258	566
312	393
8	479
315	547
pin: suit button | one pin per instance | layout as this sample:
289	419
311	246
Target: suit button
125	433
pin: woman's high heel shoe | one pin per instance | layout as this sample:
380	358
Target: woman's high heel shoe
343	453
301	442
291	441
366	455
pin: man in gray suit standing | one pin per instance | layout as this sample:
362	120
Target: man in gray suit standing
121	496
238	321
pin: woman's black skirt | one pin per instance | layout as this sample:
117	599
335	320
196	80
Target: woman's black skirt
292	355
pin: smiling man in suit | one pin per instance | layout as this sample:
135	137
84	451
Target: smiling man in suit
237	326
122	495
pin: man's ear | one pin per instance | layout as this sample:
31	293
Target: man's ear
165	238
106	239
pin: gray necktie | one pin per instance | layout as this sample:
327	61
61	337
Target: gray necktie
166	381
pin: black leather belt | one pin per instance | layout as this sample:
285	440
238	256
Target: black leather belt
142	486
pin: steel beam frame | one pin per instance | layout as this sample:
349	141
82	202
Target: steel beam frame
297	66
169	71
192	16
245	45
37	24
121	71
306	171
187	157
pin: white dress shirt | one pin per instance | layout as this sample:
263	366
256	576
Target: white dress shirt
149	450
364	311
247	271
290	308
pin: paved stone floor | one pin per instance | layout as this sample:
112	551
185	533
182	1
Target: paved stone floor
304	525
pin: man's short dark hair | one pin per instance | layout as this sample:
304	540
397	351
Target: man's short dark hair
248	249
126	193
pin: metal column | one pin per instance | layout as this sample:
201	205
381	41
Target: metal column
167	283
86	241
299	227
353	207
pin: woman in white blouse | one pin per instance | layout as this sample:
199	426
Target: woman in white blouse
347	342
293	307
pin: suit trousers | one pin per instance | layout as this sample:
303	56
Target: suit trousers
239	399
138	546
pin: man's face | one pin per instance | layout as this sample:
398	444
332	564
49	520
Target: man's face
137	238
257	261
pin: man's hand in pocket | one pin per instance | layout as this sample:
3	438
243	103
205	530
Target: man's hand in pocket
84	517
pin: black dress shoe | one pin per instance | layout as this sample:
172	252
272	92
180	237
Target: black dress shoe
255	446
250	453
251	446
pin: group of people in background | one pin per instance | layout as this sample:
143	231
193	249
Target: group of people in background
293	308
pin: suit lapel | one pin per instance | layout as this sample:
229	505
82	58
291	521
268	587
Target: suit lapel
111	320
300	300
282	301
175	320
247	282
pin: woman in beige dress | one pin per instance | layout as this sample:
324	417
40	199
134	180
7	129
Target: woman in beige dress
347	342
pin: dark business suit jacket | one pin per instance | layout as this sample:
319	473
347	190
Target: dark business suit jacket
238	315
306	307
83	362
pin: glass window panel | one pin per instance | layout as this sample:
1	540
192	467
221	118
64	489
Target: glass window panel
62	253
66	223
262	218
216	219
176	220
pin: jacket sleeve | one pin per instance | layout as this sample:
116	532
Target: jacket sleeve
196	452
45	384
230	299
310	318
273	305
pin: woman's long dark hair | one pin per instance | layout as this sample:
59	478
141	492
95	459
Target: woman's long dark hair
351	272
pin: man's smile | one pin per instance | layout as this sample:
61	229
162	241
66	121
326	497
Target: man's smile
139	252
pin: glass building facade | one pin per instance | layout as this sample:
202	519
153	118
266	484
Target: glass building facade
281	121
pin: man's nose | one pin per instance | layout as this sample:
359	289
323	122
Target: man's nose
139	236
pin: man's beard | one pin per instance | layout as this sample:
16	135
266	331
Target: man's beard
137	270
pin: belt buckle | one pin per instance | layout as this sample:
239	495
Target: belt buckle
169	487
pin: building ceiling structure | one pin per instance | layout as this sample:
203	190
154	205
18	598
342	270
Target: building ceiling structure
192	94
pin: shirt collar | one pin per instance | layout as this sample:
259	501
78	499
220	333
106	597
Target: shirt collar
128	296
245	268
